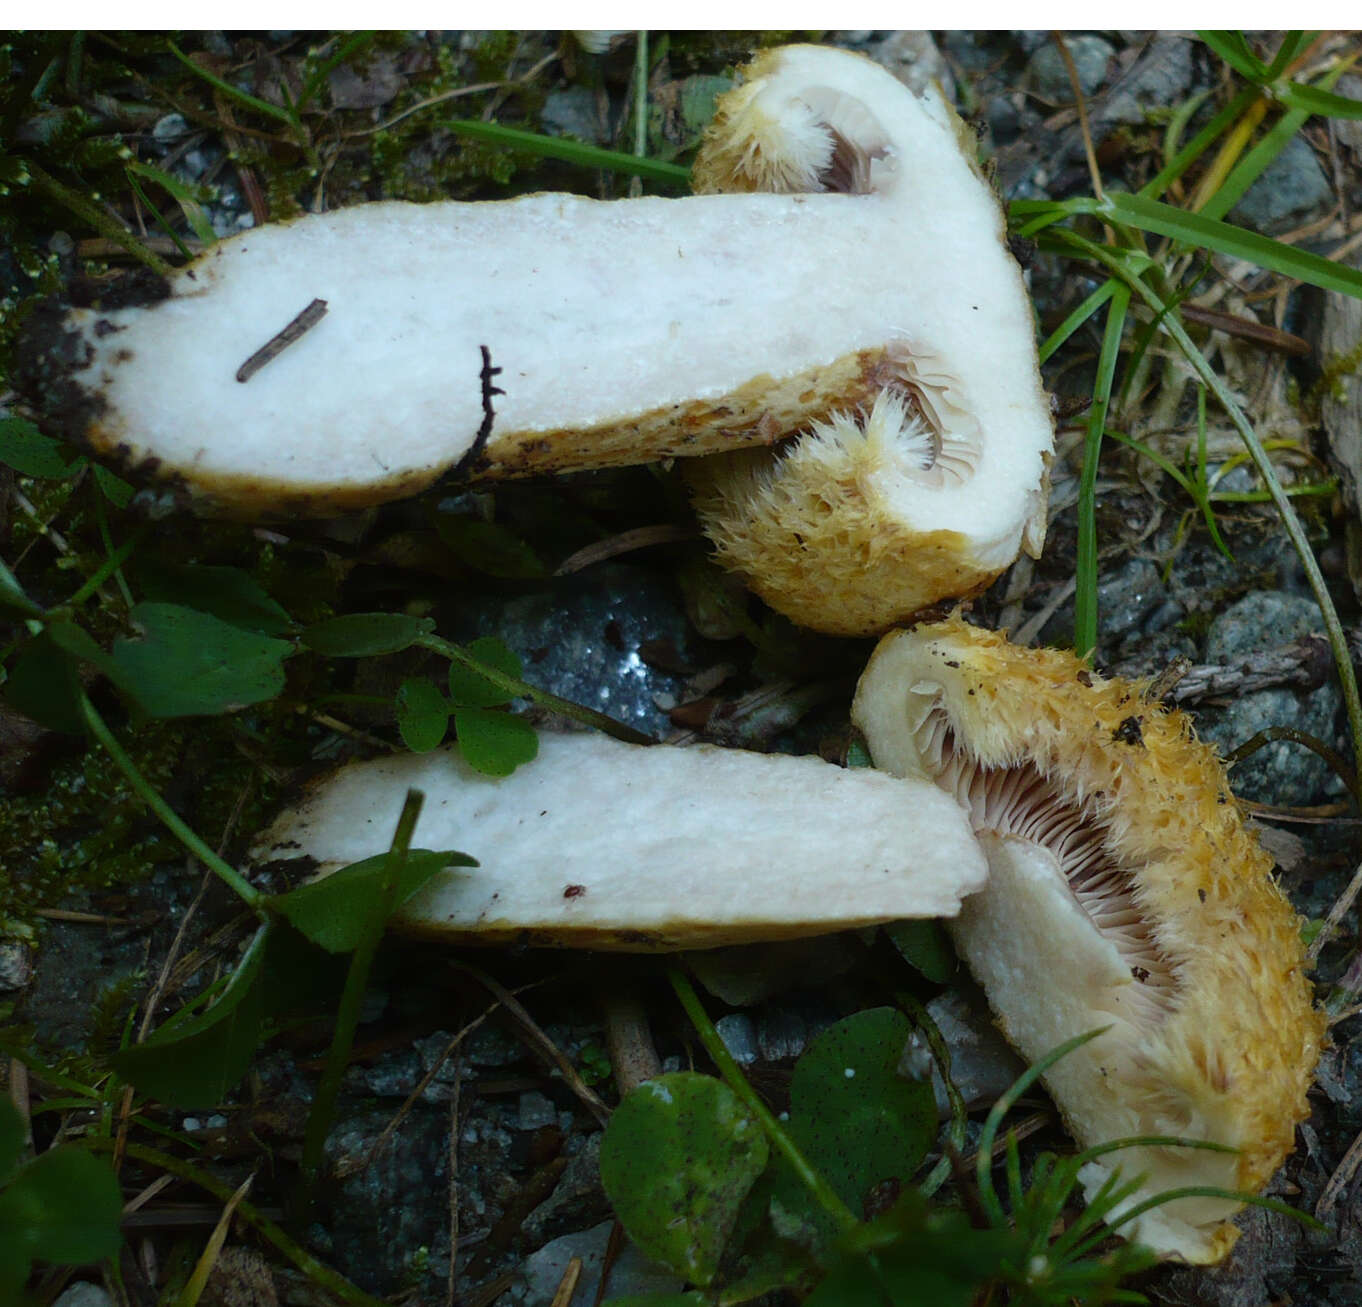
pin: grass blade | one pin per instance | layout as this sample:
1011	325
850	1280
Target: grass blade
1310	99
230	91
1077	318
1292	44
1234	50
560	147
1085	592
1198	145
1223	237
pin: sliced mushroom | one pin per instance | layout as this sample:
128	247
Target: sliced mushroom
605	845
1124	892
930	491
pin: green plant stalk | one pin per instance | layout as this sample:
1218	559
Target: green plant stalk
97	218
317	1272
555	147
232	92
158	217
1085	583
169	817
323	1110
1077	318
113	564
517	688
828	1200
1338	641
941	1052
988	1196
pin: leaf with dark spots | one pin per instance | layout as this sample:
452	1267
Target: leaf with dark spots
677	1160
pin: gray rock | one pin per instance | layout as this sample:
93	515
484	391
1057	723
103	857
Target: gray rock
572	112
15	965
781	1035
739	1036
914	59
577	1199
1281	772
581	638
170	128
982	1064
1050	77
386	1215
1287	193
535	1110
632	1274
84	1294
1162	75
1128	596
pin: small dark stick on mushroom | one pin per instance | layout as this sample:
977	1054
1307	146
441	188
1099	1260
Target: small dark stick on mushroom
277	344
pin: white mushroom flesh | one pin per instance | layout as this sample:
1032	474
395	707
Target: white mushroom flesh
609	845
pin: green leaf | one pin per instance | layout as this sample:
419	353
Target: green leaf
677	1160
1225	238
66	1206
469	690
183	196
494	743
226	592
490	548
332	911
32	454
189	664
422	714
13	1136
559	147
923	944
1234	50
117	491
193	1063
12	594
366	635
44	684
853	1116
1310	99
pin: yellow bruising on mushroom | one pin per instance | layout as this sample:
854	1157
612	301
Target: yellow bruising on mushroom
1151	909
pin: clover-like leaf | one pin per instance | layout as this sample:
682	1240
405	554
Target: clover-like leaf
422	714
467	689
677	1160
188	663
366	635
494	743
854	1117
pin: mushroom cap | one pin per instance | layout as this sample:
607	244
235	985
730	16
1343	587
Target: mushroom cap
1124	891
605	845
930	491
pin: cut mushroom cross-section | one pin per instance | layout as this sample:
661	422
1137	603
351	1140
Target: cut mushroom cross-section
606	845
1124	892
334	361
930	491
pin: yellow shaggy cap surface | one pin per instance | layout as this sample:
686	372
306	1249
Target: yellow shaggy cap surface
1124	892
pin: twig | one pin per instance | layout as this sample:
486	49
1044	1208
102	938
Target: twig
277	344
1080	102
641	537
538	1040
567	1286
1304	663
1340	1179
629	1040
1248	329
1336	914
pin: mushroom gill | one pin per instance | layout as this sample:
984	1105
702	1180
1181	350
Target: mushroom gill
1124	892
930	489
